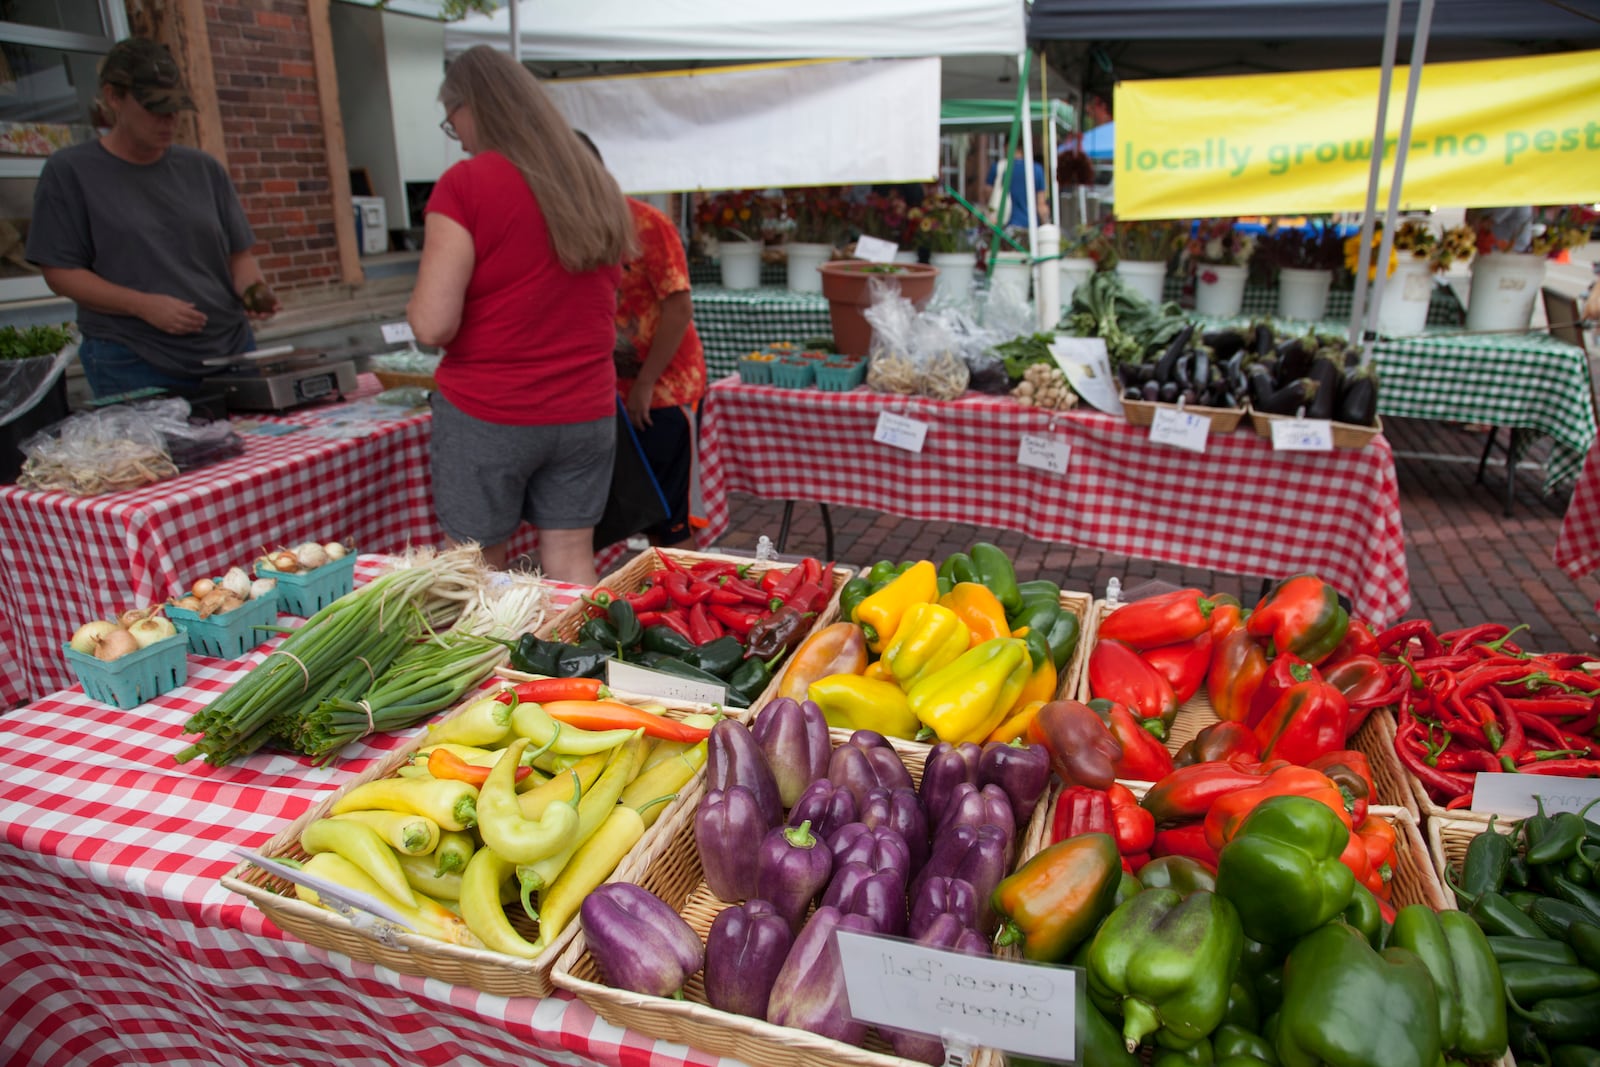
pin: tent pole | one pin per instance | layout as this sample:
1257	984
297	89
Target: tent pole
1419	49
1029	189
513	9
1358	302
1049	138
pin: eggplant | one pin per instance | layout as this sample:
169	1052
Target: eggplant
1329	377
1169	393
1294	359
1352	358
639	943
1023	771
901	811
880	848
1358	405
947	766
1289	399
1133	392
826	807
1147	372
1128	375
1167	365
793	867
938	896
1200	373
1262	339
809	993
734	758
793	736
1225	343
1151	392
947	932
729	827
745	950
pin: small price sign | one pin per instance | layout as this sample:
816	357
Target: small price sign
898	431
395	333
1180	429
1302	435
1514	794
629	678
875	249
1043	452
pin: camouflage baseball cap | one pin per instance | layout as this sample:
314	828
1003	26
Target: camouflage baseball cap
147	72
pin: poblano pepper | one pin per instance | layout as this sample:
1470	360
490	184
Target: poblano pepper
1282	869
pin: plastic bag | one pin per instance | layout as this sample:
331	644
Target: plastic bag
975	345
191	442
23	382
941	372
95	452
892	365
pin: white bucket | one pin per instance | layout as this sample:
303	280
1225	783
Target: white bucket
1504	287
1303	294
1147	277
1219	289
956	271
906	257
1074	272
803	260
741	265
1013	274
1406	295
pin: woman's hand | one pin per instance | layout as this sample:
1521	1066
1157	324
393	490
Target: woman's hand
171	315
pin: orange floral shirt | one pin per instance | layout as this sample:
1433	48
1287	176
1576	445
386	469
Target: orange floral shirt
659	270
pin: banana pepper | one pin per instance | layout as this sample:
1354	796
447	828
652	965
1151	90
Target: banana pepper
968	698
929	637
976	606
879	614
855	702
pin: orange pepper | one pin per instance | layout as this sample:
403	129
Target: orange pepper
1016	724
837	649
879	670
1378	839
980	609
1228	812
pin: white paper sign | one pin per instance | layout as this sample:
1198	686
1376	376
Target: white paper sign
897	431
631	678
1512	794
875	249
1302	435
1180	429
396	332
1088	369
1043	452
1027	1008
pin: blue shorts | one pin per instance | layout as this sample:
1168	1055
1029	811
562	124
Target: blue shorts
112	368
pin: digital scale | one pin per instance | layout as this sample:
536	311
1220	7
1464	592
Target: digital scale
281	378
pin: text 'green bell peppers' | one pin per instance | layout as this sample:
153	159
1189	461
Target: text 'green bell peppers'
1282	869
1164	963
1346	1005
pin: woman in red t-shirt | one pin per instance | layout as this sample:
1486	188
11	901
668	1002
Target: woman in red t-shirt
518	283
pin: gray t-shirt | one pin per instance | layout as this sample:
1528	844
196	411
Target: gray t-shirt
165	227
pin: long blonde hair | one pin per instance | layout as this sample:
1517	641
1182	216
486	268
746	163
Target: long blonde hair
588	217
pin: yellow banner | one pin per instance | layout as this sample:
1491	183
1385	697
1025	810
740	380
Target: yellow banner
1486	133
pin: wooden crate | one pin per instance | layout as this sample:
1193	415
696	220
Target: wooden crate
670	868
1143	413
398	949
1344	434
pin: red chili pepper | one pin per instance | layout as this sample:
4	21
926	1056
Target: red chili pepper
787	584
748	593
710	569
700	625
1563	660
1468	761
678	620
771	580
1458	641
734	619
648	618
596	601
808	596
811	571
442	763
610	715
1446	663
1183	665
721	594
542	690
1515	742
1571	768
669	564
1394	640
1442	784
651	599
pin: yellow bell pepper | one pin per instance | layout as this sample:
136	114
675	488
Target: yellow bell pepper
879	615
1039	688
967	699
980	609
854	702
928	637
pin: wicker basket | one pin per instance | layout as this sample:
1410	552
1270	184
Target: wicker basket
1344	434
1143	413
670	869
1448	838
391	379
415	954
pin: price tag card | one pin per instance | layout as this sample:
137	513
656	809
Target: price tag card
1088	369
1043	452
1180	429
897	431
1030	1009
875	249
396	332
1302	435
1512	794
629	678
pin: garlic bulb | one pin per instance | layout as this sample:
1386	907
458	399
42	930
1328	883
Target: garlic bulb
237	582
261	587
310	555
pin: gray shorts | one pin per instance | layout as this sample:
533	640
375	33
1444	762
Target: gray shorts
488	478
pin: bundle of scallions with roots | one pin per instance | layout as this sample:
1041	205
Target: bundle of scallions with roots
344	649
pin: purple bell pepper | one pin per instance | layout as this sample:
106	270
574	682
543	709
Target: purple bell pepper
939	896
826	807
900	810
1023	771
729	828
849	768
880	848
976	855
846	877
947	932
745	950
792	869
947	766
734	758
794	737
881	897
971	806
639	943
810	993
886	763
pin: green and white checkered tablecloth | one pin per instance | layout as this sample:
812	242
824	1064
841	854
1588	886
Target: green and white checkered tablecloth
733	322
708	274
1261	301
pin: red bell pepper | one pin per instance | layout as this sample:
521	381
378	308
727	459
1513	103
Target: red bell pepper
1188	792
1309	720
1132	826
1229	812
1359	640
1183	665
1350	771
1144	758
1282	674
1117	672
1238	666
1154	621
1365	683
1219	741
1081	810
1302	615
1188	841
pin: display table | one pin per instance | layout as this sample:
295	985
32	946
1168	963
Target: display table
121	945
733	322
1577	549
1240	507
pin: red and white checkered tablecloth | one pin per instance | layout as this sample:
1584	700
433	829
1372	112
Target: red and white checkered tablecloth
1577	548
1240	507
121	946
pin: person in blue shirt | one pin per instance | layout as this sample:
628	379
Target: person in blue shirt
1017	200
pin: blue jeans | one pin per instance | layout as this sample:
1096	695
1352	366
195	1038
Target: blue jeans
113	368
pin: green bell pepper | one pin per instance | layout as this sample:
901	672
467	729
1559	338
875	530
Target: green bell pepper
996	571
852	593
1282	869
1231	1040
1346	1005
1198	1054
1365	915
1064	634
1243	1009
1164	963
958	568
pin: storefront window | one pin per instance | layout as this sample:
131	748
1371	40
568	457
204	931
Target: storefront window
74	16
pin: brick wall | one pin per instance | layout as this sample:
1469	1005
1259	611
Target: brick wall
272	126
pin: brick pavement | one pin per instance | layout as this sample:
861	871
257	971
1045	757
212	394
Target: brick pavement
1468	563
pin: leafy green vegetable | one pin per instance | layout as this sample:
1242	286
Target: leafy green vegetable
1131	326
1020	353
34	341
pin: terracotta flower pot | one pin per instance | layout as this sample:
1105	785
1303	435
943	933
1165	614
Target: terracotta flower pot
845	284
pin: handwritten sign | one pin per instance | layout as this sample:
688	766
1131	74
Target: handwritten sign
1302	435
1180	429
1512	794
897	431
875	249
1088	369
1026	1008
1043	452
397	332
630	678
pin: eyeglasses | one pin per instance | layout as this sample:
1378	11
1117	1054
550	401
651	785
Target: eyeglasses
449	127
